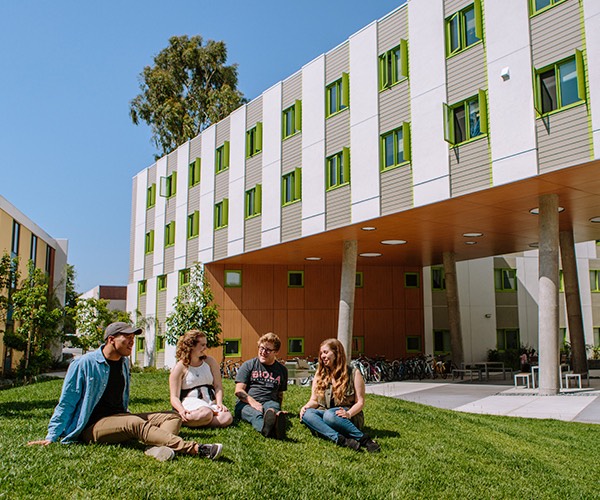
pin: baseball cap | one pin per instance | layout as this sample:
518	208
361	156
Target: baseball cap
120	327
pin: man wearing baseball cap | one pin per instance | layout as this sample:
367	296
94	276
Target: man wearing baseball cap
94	400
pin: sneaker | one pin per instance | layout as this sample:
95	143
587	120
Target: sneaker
348	442
212	451
369	444
269	420
160	453
280	425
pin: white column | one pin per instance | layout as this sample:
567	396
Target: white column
347	289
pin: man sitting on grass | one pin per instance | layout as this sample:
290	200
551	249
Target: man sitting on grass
94	400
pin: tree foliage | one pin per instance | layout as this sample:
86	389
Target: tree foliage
194	309
92	316
188	88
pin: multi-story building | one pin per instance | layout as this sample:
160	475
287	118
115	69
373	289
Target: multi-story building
439	128
23	238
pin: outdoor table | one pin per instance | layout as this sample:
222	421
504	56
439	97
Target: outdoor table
486	365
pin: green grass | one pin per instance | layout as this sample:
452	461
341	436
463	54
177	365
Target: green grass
426	453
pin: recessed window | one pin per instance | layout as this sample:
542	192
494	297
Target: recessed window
232	348
411	280
441	341
291	187
151	196
194	173
596	336
393	66
438	279
358	346
254	140
149	242
507	339
233	278
222	157
539	5
359	280
16	236
33	249
184	277
595	280
292	120
160	343
464	29
466	120
413	343
168	185
296	346
395	147
338	95
505	280
254	201
140	343
193	225
170	234
161	282
222	213
560	85
142	287
295	279
338	169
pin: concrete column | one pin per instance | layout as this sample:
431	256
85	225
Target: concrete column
573	300
548	295
347	289
456	344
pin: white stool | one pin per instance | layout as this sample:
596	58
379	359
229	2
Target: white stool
572	376
524	378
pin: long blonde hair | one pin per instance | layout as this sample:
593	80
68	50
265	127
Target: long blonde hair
186	344
337	375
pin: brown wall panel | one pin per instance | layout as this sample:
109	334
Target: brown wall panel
378	331
319	283
257	287
378	289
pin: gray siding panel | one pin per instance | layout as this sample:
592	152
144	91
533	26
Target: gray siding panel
194	199
220	248
291	221
196	148
394	107
452	6
252	235
507	317
221	185
149	265
170	257
337	62
567	143
391	29
161	305
291	154
172	162
222	133
191	254
337	133
466	74
254	112
253	171
170	209
132	228
152	175
396	190
150	219
142	304
291	90
470	171
337	202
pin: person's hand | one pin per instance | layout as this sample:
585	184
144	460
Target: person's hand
342	412
39	442
222	408
184	414
302	411
257	406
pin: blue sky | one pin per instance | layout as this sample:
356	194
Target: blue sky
69	70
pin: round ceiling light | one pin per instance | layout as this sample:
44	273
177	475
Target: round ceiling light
470	243
393	242
312	258
536	210
595	220
368	228
472	235
370	254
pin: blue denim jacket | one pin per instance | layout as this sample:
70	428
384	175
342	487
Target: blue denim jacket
83	387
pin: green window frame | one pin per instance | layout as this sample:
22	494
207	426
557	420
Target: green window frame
222	213
359	280
438	279
193	225
184	277
292	120
412	280
560	85
253	205
596	336
358	345
222	157
595	280
338	169
160	343
232	348
505	279
393	66
194	173
232	278
537	6
296	346
295	279
441	342
140	343
395	147
414	343
142	287
254	140
170	234
168	185
151	196
464	29
291	187
561	280
149	242
161	282
337	95
466	120
507	338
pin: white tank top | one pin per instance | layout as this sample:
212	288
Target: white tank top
197	376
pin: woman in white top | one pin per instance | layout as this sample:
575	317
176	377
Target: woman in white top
195	384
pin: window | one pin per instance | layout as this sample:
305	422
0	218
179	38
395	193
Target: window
254	140
539	5
561	280
16	232
466	120
170	234
149	242
464	28
233	278
441	341
161	282
358	346
560	85
295	279
505	280
232	347
292	120
140	343
291	187
193	224
222	157
168	185
49	259
393	65
338	95
194	173
33	249
142	287
507	339
296	346
411	280
222	213
253	201
596	336
338	169
413	343
395	147
151	196
595	280
359	280
438	279
184	277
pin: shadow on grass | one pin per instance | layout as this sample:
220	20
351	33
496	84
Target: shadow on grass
23	409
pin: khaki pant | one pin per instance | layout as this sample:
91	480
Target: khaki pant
154	429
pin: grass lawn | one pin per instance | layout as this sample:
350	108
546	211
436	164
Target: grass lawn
426	453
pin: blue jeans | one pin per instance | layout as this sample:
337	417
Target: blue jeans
328	425
245	412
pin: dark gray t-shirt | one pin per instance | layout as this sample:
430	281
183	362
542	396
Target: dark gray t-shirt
263	382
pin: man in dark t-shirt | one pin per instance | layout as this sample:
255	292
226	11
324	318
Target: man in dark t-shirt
259	387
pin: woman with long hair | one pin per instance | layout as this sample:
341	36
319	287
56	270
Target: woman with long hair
195	384
334	410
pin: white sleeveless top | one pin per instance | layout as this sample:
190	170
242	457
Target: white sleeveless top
194	377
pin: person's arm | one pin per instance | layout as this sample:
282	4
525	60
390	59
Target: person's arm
244	397
217	383
359	391
175	380
313	401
